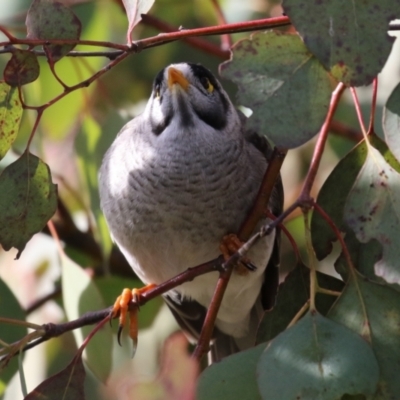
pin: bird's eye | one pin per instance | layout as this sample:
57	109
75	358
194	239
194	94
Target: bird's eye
207	84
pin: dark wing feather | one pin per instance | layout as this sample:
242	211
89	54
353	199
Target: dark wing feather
271	275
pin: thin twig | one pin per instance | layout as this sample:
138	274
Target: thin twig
198	43
264	193
358	111
319	147
289	236
373	106
90	318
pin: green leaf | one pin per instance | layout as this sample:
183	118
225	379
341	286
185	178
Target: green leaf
284	85
232	378
91	144
372	210
348	37
340	182
382	306
317	359
47	19
28	200
22	68
134	9
81	295
67	114
292	295
68	384
10	117
391	122
10	308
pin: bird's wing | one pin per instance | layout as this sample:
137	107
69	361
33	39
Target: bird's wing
271	275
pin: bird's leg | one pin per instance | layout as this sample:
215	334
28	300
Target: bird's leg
229	245
121	307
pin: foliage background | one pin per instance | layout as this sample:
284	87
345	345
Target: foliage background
72	138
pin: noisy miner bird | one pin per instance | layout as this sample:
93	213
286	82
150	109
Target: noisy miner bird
176	180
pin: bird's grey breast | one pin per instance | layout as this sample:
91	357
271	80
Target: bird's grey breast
172	201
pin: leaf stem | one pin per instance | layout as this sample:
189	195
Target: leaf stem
319	147
311	260
299	313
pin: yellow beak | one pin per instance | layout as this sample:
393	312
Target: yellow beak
176	76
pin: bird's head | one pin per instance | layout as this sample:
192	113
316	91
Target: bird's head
188	97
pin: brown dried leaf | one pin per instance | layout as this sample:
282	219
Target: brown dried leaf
68	384
22	68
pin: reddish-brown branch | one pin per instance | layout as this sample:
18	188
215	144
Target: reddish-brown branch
80	85
358	109
6	33
53	71
90	318
336	230
36	124
41	42
264	193
198	43
373	106
139	45
319	147
267	23
183	277
212	312
288	235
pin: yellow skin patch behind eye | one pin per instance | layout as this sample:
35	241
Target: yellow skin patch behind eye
210	87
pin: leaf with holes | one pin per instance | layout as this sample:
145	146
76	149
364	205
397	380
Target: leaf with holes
22	68
372	210
284	85
134	9
28	200
317	359
10	117
340	182
348	37
48	20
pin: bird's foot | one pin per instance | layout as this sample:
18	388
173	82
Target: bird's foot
121	308
229	245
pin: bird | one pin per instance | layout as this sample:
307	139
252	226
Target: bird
177	179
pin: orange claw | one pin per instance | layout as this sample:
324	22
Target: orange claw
229	245
121	307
